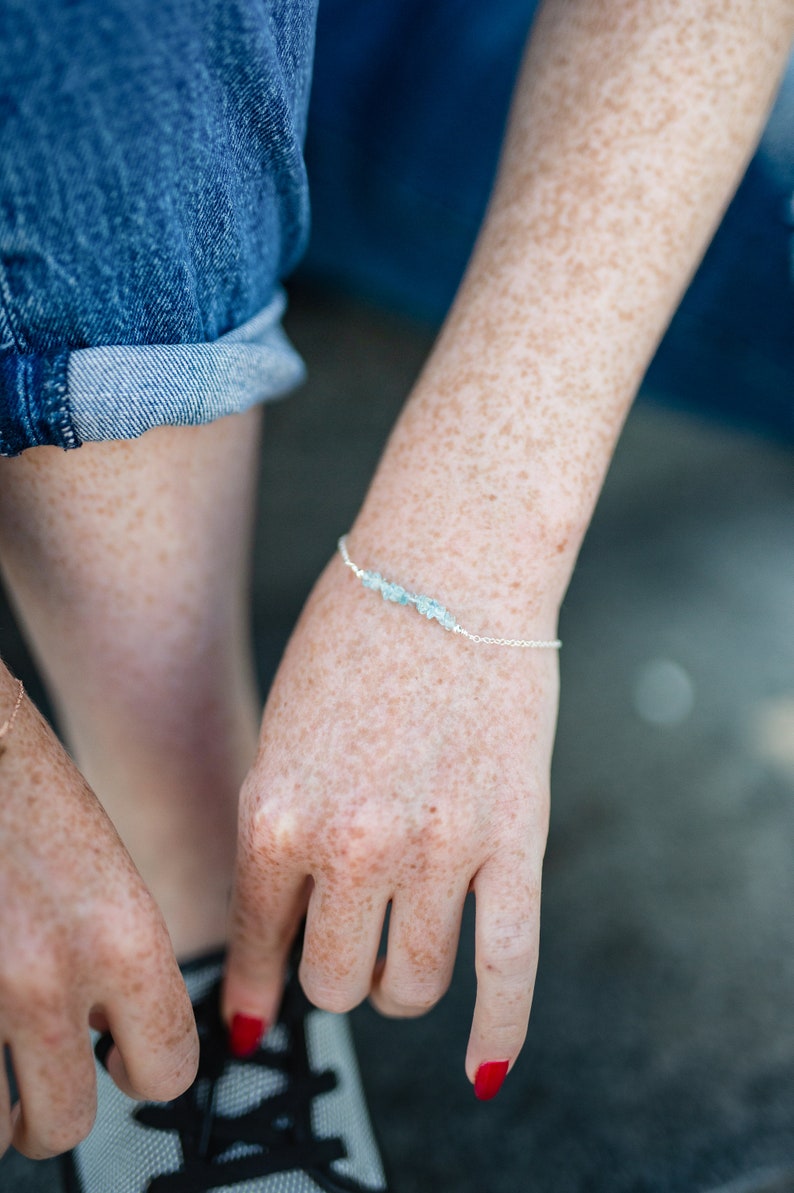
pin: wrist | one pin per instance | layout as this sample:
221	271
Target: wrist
433	609
491	588
502	543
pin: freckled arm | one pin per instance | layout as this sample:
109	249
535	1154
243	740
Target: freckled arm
400	765
631	125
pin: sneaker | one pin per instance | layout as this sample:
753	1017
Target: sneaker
291	1118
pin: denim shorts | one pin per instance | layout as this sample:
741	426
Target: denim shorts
153	194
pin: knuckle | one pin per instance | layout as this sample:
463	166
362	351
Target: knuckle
360	852
510	955
178	1058
130	937
438	832
115	950
415	1000
272	832
30	983
330	996
409	996
174	1076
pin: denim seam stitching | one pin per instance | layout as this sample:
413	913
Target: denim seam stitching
25	411
58	404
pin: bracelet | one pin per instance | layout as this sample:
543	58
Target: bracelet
432	609
8	725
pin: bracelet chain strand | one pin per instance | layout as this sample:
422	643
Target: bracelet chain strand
433	609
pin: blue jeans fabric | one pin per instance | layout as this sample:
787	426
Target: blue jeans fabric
152	195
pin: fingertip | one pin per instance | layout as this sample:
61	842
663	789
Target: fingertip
162	1087
248	1009
245	1034
489	1078
51	1138
22	1141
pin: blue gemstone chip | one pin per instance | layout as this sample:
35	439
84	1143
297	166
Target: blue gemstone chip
427	606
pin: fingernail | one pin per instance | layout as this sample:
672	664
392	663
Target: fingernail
245	1034
489	1077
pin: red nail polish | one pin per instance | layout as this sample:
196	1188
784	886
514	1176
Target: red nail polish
489	1077
245	1034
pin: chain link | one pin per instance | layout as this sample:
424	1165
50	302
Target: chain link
526	643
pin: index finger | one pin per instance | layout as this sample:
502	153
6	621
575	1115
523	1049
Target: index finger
268	904
153	1027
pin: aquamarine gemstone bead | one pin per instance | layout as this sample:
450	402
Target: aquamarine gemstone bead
427	606
442	616
394	592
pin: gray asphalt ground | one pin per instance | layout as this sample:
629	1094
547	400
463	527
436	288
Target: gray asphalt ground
660	1057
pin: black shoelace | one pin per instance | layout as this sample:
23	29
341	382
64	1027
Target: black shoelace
275	1135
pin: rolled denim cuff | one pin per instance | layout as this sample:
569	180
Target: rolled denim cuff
120	391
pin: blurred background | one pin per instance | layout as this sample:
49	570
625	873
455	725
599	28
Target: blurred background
660	1057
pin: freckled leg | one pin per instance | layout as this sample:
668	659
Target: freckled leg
127	562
